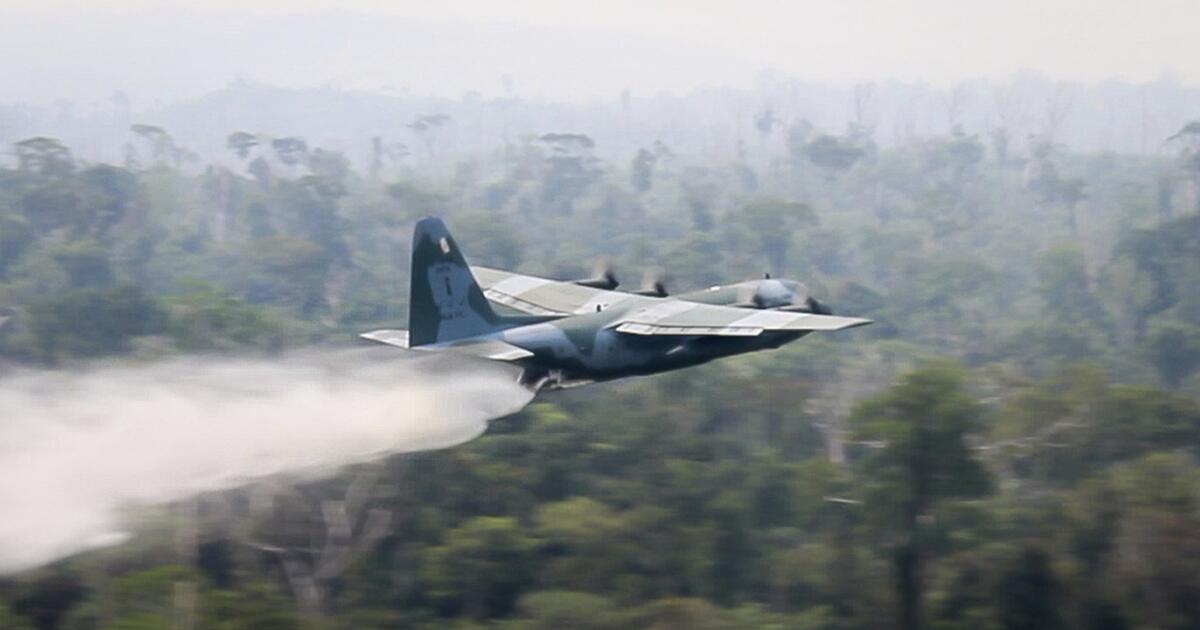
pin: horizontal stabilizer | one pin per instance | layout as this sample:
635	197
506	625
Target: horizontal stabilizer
391	337
493	349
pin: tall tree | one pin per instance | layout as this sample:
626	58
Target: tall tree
922	425
832	153
44	156
1188	140
290	150
426	129
773	222
642	171
241	142
162	147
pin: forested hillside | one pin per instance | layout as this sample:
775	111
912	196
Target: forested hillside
1013	443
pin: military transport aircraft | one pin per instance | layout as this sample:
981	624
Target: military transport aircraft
573	333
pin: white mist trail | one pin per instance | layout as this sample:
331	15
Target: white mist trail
75	448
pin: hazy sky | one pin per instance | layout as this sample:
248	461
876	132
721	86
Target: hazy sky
576	50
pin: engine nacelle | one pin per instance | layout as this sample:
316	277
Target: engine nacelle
783	295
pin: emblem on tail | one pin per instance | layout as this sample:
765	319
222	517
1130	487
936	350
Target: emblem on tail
445	301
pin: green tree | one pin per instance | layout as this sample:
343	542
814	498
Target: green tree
579	534
923	423
1158	548
241	143
253	606
481	568
1065	286
773	222
162	147
93	322
568	171
426	128
11	621
554	610
290	150
110	195
678	613
1173	348
16	235
417	201
642	171
293	271
832	153
1188	141
205	318
1028	593
47	598
494	240
44	156
86	265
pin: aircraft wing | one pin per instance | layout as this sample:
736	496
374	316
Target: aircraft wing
540	296
677	317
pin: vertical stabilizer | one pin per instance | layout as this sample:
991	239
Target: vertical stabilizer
445	303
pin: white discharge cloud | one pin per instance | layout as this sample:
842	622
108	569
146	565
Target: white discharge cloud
76	448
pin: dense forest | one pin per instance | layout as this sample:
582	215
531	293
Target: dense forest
1012	444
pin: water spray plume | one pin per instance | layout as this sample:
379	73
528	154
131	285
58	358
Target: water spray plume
76	448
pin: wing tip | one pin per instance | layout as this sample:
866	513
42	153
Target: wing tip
857	322
833	323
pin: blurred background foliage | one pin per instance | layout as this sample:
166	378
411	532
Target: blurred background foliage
1012	445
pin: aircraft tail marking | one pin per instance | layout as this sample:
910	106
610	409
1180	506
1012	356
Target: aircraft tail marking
445	301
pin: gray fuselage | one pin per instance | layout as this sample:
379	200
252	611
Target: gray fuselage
585	348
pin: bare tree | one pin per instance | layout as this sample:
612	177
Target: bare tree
316	539
954	102
1188	141
864	94
426	129
1058	107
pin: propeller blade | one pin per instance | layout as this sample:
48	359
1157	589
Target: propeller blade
603	277
652	284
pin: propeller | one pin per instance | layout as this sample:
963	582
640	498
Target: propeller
804	303
652	284
818	307
603	277
783	295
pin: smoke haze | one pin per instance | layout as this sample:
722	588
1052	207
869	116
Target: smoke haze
75	448
171	49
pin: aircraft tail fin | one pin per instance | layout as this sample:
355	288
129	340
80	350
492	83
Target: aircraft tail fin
445	302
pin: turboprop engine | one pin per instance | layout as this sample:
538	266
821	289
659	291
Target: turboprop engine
783	295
